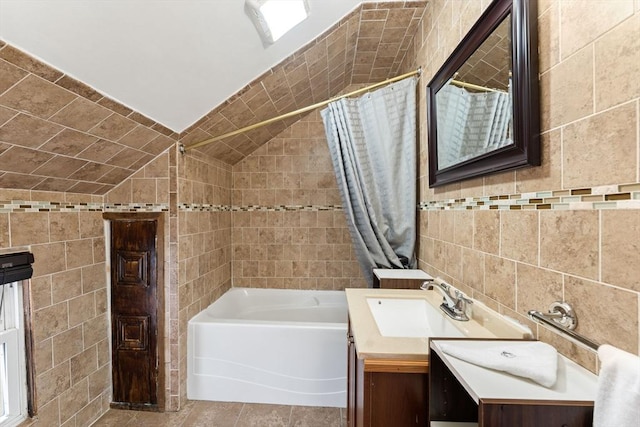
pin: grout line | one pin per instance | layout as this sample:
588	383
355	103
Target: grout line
561	156
600	223
594	105
240	414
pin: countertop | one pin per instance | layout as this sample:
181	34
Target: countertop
485	323
574	383
400	273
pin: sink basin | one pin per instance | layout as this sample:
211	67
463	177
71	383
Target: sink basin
411	318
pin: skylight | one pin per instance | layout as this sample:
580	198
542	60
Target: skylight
273	18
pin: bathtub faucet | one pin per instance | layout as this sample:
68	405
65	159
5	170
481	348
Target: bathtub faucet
454	308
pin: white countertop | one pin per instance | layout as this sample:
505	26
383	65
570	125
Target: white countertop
396	273
574	383
485	323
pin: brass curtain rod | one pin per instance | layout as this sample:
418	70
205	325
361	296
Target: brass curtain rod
476	87
184	148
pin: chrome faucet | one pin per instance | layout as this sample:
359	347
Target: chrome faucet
454	308
444	290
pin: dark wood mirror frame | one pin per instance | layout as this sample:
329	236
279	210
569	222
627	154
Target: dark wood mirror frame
525	151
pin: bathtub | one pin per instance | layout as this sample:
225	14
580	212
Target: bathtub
270	346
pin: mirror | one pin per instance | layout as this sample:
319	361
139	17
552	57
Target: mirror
482	105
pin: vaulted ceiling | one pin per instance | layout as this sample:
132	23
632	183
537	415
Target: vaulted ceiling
367	46
59	134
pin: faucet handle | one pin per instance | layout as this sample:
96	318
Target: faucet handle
427	284
460	296
462	303
444	285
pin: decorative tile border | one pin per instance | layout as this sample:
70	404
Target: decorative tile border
286	208
136	207
195	207
15	206
626	196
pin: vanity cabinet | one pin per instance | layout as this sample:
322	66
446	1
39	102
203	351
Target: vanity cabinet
399	279
386	392
461	393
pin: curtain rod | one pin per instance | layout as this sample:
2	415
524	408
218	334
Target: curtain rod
476	87
184	148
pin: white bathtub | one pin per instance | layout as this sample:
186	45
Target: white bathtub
270	346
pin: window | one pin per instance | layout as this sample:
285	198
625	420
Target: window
13	399
273	18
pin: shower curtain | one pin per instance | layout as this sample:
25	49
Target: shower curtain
471	124
453	109
372	141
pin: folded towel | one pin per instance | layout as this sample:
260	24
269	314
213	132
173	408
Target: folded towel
534	360
618	396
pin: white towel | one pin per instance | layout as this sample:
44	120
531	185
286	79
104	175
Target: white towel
534	360
618	397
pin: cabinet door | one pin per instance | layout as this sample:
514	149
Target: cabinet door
396	399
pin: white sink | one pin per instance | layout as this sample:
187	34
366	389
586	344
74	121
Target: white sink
411	318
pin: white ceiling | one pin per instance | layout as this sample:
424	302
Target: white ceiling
171	60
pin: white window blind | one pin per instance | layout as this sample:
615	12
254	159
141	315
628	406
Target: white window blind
13	402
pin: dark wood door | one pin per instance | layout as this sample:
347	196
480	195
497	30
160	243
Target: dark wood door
134	313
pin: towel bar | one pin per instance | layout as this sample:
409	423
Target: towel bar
562	317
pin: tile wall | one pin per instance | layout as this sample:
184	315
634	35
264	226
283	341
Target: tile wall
65	232
202	265
71	137
154	186
288	228
69	302
68	138
569	229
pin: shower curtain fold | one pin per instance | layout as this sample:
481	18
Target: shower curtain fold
372	142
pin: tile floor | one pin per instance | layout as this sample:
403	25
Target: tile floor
197	413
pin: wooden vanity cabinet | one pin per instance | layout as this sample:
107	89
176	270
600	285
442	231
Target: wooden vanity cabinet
463	393
386	392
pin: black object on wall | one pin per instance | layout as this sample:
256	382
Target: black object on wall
15	267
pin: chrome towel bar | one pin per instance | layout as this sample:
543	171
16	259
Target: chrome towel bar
562	318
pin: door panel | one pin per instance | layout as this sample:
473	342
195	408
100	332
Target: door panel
134	312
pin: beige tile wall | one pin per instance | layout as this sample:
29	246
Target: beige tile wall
58	134
69	290
287	229
71	138
69	303
519	260
156	184
203	262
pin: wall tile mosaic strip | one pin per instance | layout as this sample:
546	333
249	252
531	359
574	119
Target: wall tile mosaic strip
193	207
198	207
136	207
625	196
15	206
